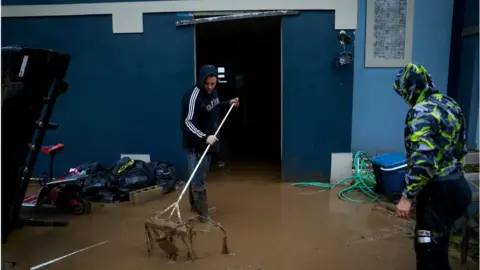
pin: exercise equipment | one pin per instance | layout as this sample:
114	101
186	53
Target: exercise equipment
64	192
32	79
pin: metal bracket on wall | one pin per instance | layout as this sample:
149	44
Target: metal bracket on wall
470	31
239	16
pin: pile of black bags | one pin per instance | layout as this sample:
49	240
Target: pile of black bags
115	183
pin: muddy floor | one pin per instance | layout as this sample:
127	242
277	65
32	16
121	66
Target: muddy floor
270	225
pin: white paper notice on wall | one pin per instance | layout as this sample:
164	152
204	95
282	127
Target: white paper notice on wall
389	33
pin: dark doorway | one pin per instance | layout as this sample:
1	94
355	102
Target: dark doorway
249	51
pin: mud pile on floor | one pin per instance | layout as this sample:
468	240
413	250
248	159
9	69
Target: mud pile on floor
115	183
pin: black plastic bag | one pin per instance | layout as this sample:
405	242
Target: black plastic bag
93	183
165	174
134	177
116	183
91	168
123	165
139	175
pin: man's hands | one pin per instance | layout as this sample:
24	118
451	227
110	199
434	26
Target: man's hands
212	139
403	207
235	101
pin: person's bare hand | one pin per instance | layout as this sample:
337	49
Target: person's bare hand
403	207
235	101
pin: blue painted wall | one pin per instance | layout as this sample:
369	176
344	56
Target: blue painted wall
378	113
468	88
317	97
125	90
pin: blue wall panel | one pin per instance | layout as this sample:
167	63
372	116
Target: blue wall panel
467	88
463	80
125	90
467	95
317	97
471	13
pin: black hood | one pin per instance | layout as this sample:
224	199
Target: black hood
205	71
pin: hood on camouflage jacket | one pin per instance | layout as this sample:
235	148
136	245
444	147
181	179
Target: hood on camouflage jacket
414	84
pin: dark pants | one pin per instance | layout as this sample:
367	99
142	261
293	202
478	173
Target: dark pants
439	205
197	192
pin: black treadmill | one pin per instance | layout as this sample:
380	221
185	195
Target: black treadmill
32	79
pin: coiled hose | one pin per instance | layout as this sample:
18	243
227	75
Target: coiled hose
363	181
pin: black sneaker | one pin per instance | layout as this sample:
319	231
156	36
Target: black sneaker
221	164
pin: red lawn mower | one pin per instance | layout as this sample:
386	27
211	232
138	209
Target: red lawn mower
64	193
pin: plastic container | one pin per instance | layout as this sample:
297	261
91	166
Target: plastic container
390	170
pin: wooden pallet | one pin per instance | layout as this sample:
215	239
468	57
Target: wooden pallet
145	195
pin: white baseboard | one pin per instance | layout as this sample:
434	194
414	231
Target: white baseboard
142	157
341	167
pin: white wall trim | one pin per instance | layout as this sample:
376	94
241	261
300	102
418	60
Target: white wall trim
127	17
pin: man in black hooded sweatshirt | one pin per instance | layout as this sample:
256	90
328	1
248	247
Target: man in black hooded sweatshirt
199	121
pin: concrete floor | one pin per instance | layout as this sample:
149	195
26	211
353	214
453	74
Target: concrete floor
270	226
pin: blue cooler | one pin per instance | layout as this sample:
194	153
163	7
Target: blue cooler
390	170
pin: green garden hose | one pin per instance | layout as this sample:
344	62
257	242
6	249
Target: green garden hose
363	181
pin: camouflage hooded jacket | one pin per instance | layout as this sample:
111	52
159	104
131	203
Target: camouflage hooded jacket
435	132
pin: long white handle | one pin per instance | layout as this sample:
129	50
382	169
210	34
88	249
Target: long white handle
201	159
65	256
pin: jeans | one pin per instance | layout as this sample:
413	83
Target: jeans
439	205
197	186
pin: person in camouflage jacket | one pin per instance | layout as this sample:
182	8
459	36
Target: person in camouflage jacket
435	142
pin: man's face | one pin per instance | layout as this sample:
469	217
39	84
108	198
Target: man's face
210	83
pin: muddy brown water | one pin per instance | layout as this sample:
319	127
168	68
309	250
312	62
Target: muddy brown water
270	225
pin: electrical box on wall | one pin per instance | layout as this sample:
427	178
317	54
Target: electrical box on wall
221	75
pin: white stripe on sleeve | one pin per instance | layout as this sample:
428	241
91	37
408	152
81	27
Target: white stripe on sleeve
191	112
